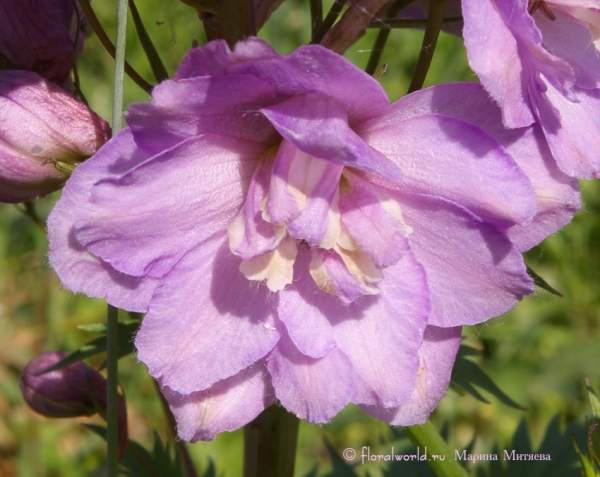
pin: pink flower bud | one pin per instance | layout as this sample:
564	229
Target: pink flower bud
41	36
72	391
42	126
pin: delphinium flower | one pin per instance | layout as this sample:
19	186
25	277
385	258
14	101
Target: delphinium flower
42	36
294	238
71	391
41	127
540	61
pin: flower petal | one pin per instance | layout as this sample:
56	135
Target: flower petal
379	334
148	236
437	355
315	389
78	269
314	69
453	159
494	54
557	194
226	105
572	130
319	127
224	407
473	273
205	311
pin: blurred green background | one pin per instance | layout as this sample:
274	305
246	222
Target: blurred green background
538	354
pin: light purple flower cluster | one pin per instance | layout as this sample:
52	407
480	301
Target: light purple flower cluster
540	60
294	238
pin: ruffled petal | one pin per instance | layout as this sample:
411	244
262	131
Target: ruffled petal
494	55
569	39
225	105
473	273
319	127
205	311
572	130
437	355
450	158
78	269
373	220
224	407
315	389
140	231
380	334
314	69
558	197
303	196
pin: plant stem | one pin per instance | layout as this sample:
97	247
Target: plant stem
435	18
330	19
429	441
231	20
270	444
112	425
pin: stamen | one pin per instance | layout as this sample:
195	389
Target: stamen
542	6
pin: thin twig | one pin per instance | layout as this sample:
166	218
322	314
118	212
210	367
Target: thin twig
330	19
108	45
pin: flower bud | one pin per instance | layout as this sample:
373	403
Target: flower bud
41	36
71	391
42	126
75	390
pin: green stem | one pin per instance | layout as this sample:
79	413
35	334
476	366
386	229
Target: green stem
112	404
435	18
382	37
158	69
428	440
270	444
330	19
108	46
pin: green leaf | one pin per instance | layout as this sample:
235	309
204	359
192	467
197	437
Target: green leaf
540	282
586	463
127	331
466	374
139	462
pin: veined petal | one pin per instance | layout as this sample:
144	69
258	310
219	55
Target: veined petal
373	220
276	267
314	69
453	159
567	38
206	177
78	269
318	126
436	358
249	234
225	105
473	273
572	130
303	196
494	54
330	273
205	311
380	334
315	389
225	406
557	194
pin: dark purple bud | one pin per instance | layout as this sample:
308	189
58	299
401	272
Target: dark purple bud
41	35
44	132
72	391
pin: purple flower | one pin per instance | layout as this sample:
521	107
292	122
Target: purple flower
41	125
42	36
293	237
71	391
540	61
